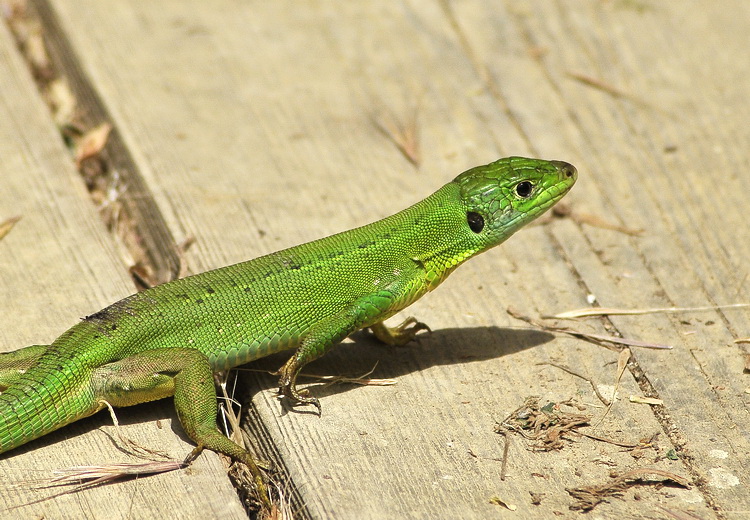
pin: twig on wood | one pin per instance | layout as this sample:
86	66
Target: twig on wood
604	400
588	497
597	339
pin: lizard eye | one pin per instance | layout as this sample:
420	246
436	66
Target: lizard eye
475	221
524	189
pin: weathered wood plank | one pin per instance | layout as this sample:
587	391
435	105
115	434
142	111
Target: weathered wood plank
663	157
57	265
245	117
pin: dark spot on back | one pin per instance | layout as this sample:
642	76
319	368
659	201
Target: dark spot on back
111	312
104	314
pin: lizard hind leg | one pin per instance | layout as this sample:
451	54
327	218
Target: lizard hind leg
185	373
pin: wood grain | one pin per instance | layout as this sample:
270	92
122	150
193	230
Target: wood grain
58	264
253	125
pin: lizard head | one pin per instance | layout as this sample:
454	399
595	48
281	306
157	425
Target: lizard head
501	197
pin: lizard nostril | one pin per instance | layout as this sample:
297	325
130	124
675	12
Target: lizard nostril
566	169
569	170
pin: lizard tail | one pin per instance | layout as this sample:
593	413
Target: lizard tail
45	398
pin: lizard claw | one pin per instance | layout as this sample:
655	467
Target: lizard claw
288	387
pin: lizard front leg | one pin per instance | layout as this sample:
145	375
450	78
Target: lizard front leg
368	311
318	340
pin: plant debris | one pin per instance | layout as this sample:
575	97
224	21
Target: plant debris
588	497
500	502
597	339
645	400
594	387
545	426
605	311
78	478
613	91
594	221
536	498
92	143
563	210
89	137
622	363
7	224
404	134
87	477
747	357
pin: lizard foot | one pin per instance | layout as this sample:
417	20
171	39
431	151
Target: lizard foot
288	387
401	334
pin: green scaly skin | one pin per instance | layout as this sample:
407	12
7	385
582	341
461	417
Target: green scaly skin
168	340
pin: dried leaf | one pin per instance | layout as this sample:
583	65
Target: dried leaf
108	472
622	363
92	143
62	102
500	502
7	225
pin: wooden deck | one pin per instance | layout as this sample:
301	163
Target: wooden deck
253	126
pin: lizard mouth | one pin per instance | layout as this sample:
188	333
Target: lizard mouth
554	193
568	175
548	197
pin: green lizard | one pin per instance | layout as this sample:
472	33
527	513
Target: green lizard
170	339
